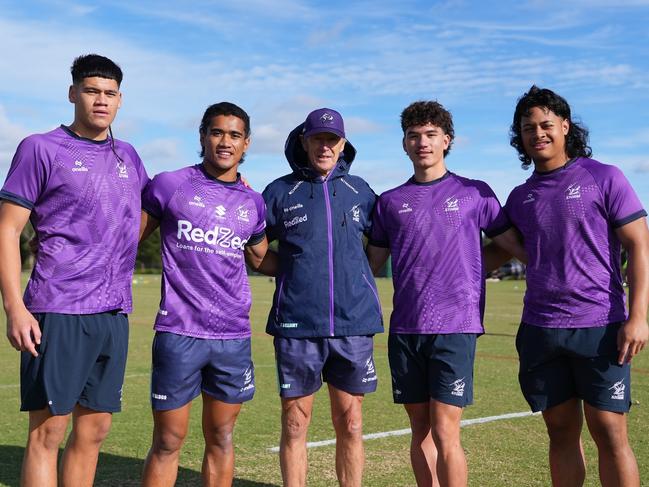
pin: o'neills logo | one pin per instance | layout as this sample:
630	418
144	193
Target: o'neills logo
221	236
294	221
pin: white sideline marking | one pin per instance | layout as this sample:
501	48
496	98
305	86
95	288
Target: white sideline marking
406	431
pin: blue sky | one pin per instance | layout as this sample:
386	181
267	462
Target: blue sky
280	59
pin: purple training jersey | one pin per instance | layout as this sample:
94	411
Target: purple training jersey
205	225
85	209
568	219
433	232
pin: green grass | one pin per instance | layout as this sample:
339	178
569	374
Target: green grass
509	452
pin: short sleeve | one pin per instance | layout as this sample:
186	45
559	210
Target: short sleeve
259	232
154	197
369	204
271	217
378	236
620	200
492	218
28	174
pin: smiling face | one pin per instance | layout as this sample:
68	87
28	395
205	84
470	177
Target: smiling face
224	143
425	146
96	101
323	150
543	134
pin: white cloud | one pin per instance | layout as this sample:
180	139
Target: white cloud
10	136
162	154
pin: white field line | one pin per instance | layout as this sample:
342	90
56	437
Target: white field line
406	431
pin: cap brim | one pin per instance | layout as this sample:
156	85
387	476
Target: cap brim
319	130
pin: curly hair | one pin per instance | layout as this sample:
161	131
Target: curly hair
577	137
428	112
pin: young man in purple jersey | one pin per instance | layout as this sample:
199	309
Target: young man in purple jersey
209	223
80	188
576	340
325	309
431	226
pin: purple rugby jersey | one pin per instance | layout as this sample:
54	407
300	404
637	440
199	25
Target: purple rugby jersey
433	232
205	225
568	219
85	209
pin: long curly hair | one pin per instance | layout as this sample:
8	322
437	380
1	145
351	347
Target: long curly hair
577	137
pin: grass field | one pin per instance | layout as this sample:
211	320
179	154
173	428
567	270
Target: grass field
502	453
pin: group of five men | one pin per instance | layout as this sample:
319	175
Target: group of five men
87	194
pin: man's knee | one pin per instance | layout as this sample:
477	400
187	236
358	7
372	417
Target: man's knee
219	436
564	423
295	421
608	429
167	441
91	430
48	436
349	424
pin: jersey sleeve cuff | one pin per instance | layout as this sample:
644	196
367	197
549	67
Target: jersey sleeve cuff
379	243
154	214
14	198
494	232
255	239
623	221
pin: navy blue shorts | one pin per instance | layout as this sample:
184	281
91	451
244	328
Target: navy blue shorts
558	364
183	366
81	360
347	363
426	367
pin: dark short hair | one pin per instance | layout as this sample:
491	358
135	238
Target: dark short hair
223	108
577	137
429	112
90	65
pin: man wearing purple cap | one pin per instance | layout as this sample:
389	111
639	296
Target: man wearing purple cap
80	188
576	341
325	309
431	225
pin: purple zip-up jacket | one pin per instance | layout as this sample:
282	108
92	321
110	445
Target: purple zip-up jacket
324	286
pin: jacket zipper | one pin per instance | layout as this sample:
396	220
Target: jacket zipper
330	256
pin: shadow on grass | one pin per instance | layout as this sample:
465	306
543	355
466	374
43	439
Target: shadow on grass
112	470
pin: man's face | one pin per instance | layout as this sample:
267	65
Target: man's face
425	145
224	143
544	137
323	150
96	101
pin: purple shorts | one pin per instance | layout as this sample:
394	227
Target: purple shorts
183	366
347	363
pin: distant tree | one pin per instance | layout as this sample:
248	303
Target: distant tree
26	255
148	254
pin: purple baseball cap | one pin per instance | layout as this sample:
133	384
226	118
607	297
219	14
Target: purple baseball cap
324	120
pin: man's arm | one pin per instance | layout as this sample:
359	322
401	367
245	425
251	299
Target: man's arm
261	258
376	256
502	248
23	331
633	335
148	224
